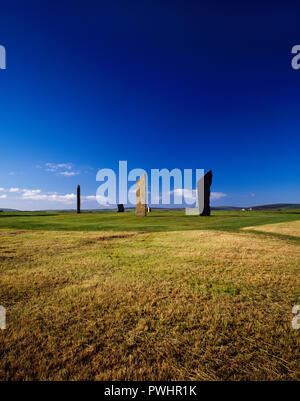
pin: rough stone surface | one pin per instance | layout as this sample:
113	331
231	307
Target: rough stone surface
141	196
207	183
120	207
192	211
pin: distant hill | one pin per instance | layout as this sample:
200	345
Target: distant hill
260	207
273	206
278	206
225	208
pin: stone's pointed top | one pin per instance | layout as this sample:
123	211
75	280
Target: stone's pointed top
209	176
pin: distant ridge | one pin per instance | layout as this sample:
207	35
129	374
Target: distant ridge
272	206
226	208
260	207
278	206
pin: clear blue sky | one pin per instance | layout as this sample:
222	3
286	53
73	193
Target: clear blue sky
186	84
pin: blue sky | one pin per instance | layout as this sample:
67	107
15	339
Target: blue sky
161	84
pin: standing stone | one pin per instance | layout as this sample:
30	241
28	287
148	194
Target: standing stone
78	198
141	196
148	209
203	185
120	207
2	318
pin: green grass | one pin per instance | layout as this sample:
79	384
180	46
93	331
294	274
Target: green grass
156	221
189	305
107	296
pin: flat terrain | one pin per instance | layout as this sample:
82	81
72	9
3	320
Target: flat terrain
286	228
158	220
111	296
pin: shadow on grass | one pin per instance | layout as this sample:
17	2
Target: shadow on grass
285	237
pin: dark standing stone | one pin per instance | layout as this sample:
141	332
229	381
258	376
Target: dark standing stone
207	184
120	207
78	198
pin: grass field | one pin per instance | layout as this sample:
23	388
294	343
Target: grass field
160	220
111	296
287	228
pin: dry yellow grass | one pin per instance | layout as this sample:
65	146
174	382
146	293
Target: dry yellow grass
286	228
193	305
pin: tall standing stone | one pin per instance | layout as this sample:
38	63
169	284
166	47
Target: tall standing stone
203	190
78	198
141	196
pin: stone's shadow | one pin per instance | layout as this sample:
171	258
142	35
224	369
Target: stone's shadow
176	217
231	215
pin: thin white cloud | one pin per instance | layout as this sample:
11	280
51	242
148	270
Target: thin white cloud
36	194
68	173
89	197
188	195
30	191
64	169
191	195
217	195
58	166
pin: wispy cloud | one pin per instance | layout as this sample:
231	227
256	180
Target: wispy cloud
36	194
14	189
68	173
89	197
217	195
57	166
190	195
3	196
2	189
63	169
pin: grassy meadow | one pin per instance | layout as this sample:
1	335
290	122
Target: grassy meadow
107	296
157	220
